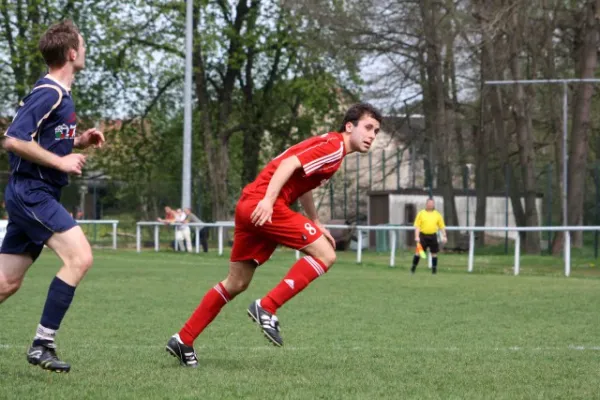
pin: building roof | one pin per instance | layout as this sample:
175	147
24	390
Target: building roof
437	192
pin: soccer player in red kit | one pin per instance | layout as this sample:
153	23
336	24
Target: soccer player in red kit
263	220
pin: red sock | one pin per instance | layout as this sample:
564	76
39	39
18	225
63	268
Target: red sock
306	270
209	308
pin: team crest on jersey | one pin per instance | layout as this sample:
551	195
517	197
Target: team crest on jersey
65	131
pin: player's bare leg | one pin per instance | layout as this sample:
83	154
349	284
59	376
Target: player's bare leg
322	250
320	256
181	345
12	270
75	252
239	277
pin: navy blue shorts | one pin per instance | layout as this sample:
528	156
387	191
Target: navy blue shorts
34	214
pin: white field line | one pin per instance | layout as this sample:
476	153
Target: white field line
8	346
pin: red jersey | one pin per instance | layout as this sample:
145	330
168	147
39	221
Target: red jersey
320	156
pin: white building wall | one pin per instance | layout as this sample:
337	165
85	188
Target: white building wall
495	210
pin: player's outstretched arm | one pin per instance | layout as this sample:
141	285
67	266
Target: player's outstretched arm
30	150
264	209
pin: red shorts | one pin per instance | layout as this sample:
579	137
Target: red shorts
257	243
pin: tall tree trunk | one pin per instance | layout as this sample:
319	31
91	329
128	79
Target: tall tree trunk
480	138
37	67
450	71
428	124
258	108
522	116
502	138
253	131
553	102
222	202
216	151
252	139
587	61
436	91
215	116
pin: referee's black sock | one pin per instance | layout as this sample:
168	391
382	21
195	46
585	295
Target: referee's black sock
416	259
434	265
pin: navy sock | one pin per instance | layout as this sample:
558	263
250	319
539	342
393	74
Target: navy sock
60	295
434	264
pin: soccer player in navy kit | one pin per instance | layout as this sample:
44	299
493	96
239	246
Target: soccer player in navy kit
40	141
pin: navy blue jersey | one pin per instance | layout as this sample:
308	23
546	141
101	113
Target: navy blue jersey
46	115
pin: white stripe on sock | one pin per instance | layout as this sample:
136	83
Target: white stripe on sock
44	333
316	266
220	291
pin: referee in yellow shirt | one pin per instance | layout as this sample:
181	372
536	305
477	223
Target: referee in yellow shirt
427	224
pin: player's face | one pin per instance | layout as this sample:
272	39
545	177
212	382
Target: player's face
79	62
363	134
430	205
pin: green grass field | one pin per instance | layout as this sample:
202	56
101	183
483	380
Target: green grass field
360	332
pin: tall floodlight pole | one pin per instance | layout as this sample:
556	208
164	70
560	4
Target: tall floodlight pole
565	156
186	179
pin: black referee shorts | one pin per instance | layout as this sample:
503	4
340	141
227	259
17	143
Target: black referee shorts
430	242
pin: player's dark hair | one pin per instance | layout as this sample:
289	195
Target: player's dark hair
357	111
56	42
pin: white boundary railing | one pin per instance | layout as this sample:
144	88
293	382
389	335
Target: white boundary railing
114	224
197	226
393	231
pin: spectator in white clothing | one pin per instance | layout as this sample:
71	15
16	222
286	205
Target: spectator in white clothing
183	232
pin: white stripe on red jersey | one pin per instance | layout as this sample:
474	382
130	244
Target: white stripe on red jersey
320	157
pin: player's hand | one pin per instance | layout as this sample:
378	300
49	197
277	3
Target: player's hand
326	233
417	239
91	137
262	213
72	163
444	239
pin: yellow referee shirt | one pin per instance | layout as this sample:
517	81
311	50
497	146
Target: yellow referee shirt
429	222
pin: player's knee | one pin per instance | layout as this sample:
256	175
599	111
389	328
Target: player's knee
328	258
81	262
235	285
8	287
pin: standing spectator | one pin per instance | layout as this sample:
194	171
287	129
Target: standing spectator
169	216
194	219
183	232
427	224
168	220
